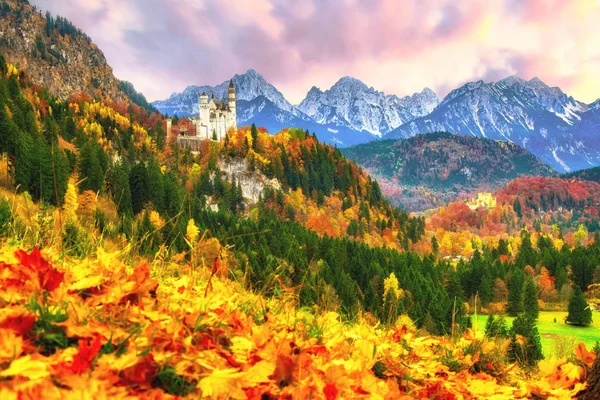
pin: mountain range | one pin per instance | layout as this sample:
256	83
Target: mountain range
348	113
560	130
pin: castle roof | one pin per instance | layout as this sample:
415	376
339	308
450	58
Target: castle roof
231	84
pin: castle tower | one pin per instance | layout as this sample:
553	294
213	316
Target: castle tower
231	103
169	124
204	116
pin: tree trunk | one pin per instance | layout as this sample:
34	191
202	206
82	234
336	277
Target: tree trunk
592	392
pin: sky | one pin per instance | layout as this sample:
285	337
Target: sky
396	46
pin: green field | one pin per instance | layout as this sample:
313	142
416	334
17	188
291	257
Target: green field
550	330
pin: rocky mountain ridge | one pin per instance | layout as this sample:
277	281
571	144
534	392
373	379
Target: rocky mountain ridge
54	53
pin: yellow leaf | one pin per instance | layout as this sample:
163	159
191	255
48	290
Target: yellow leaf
224	383
27	367
259	373
12	345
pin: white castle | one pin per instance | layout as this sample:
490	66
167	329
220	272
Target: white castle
216	117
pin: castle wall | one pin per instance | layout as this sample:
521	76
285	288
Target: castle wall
222	120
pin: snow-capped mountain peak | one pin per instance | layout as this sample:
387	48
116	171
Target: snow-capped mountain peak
350	102
529	113
248	86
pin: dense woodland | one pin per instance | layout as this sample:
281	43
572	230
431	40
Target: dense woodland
590	174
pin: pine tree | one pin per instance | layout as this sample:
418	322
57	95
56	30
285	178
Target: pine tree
515	293
254	133
486	288
435	246
139	187
518	208
525	346
579	311
496	327
530	303
91	173
118	180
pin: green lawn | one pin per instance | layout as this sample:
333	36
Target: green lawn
549	330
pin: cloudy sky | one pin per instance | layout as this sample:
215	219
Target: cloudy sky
397	46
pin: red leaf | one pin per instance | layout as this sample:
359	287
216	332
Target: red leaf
330	391
141	373
49	278
82	361
20	324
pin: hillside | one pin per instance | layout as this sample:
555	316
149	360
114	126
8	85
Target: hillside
432	169
54	53
565	212
590	174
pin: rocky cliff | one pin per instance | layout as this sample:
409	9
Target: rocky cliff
54	53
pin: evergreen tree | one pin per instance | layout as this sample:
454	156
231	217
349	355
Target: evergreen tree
154	178
518	208
138	183
91	173
515	293
579	311
525	346
254	133
435	246
118	181
561	277
41	181
496	327
486	288
530	297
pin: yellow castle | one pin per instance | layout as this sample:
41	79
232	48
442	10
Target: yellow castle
484	199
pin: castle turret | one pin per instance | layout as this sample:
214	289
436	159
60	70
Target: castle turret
232	120
203	116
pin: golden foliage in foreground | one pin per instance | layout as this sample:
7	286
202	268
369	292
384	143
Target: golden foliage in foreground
99	328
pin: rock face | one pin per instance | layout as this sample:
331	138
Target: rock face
352	104
252	183
558	129
54	54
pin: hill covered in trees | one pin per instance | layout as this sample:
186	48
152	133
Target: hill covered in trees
432	169
590	174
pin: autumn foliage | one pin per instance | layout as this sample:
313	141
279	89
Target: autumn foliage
144	332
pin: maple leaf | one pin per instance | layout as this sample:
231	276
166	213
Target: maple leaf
11	345
82	361
141	373
222	383
48	277
330	391
28	367
586	357
18	320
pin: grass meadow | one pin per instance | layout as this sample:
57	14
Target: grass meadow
550	331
